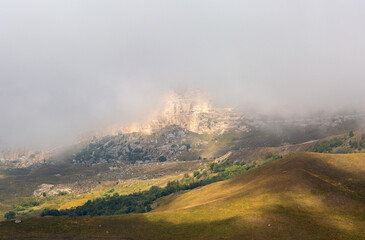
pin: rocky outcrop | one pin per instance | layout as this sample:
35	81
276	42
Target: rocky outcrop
192	111
169	133
24	158
169	142
51	190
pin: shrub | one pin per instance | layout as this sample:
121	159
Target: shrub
110	191
326	146
351	134
10	215
343	150
187	145
268	155
162	159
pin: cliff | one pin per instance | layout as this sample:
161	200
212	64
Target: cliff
192	111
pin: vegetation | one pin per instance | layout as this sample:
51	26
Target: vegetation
10	215
187	145
351	134
336	145
304	196
25	205
326	146
162	159
140	202
359	145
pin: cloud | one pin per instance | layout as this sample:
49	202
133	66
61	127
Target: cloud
67	67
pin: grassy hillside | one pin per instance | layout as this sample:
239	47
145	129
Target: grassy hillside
304	196
17	185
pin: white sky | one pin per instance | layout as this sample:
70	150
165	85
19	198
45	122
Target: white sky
70	66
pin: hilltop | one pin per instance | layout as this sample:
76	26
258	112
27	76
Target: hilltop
193	111
304	196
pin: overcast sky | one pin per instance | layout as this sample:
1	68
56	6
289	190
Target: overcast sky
71	66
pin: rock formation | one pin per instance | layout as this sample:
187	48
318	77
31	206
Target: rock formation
192	111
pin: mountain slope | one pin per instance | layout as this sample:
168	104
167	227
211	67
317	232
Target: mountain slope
304	196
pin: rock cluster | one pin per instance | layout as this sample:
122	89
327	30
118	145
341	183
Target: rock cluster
51	190
23	159
169	142
192	111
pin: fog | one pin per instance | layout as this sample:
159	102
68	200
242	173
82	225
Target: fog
68	67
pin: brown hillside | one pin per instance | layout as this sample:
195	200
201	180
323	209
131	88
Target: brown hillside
304	196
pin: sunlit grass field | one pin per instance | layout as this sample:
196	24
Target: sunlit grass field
304	196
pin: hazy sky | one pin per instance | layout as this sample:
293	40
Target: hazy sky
70	66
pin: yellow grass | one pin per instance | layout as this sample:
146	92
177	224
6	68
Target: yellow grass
305	196
122	188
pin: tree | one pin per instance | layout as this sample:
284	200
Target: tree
351	134
10	215
162	159
187	145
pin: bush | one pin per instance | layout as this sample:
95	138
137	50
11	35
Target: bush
268	155
351	134
10	215
187	145
343	150
162	159
326	146
110	191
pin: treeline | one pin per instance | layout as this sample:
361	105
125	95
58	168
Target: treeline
326	146
140	202
360	144
337	145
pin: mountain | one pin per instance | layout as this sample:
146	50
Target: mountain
193	111
304	196
188	126
172	133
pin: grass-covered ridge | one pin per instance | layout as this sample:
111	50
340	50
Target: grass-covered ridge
350	143
304	196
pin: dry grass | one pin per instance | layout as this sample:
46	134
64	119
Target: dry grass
305	196
123	188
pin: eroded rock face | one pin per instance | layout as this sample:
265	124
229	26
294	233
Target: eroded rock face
171	133
192	111
169	142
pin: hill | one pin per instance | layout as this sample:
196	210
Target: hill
304	196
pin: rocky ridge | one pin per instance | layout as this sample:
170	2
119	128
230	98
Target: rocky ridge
192	111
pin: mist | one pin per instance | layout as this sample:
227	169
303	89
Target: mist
68	67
